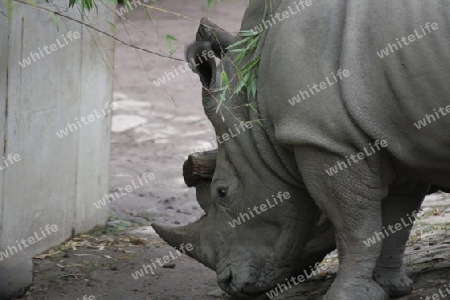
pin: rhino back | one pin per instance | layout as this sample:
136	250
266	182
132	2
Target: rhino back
382	98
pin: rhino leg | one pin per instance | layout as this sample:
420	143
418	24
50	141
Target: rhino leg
398	208
352	200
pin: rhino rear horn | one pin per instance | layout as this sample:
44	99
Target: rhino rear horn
219	38
198	171
199	166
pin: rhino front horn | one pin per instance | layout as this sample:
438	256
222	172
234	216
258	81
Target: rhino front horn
193	234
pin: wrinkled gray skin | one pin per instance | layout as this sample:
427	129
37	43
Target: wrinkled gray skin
380	100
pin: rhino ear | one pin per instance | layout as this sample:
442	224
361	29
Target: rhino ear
220	38
201	60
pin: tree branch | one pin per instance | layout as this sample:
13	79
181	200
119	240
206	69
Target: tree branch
98	30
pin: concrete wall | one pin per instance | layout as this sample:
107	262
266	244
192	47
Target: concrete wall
57	179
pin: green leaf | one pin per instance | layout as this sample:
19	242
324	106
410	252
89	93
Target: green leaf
173	100
210	2
54	18
248	33
169	39
237	50
149	16
111	24
245	81
241	42
72	3
9	7
224	80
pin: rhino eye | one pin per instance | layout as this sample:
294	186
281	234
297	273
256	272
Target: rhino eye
222	192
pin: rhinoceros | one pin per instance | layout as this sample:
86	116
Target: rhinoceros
353	97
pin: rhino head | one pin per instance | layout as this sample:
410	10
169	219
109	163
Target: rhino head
253	257
269	246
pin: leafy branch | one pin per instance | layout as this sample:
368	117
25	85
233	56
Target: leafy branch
95	29
90	4
247	76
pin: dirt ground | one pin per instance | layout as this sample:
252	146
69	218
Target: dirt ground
154	129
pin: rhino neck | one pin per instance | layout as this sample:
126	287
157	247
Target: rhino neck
279	159
257	146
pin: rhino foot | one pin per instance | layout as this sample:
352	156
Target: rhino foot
394	282
351	289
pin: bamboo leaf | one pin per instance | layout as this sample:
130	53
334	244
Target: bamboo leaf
54	18
149	16
72	3
111	24
169	40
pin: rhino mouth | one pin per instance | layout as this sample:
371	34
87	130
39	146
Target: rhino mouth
253	287
249	291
